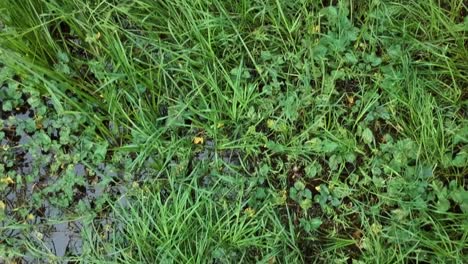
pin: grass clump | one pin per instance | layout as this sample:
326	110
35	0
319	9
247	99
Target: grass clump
256	131
185	223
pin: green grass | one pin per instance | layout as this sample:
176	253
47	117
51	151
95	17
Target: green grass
345	123
190	225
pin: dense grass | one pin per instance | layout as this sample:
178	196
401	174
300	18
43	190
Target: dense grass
332	130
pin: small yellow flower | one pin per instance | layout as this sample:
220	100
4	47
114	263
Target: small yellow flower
7	180
250	212
270	123
30	217
198	140
317	188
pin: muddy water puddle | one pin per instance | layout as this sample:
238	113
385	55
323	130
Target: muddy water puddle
32	222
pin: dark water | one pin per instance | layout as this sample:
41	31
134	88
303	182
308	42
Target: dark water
48	228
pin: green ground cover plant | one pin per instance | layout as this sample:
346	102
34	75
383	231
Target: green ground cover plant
209	131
